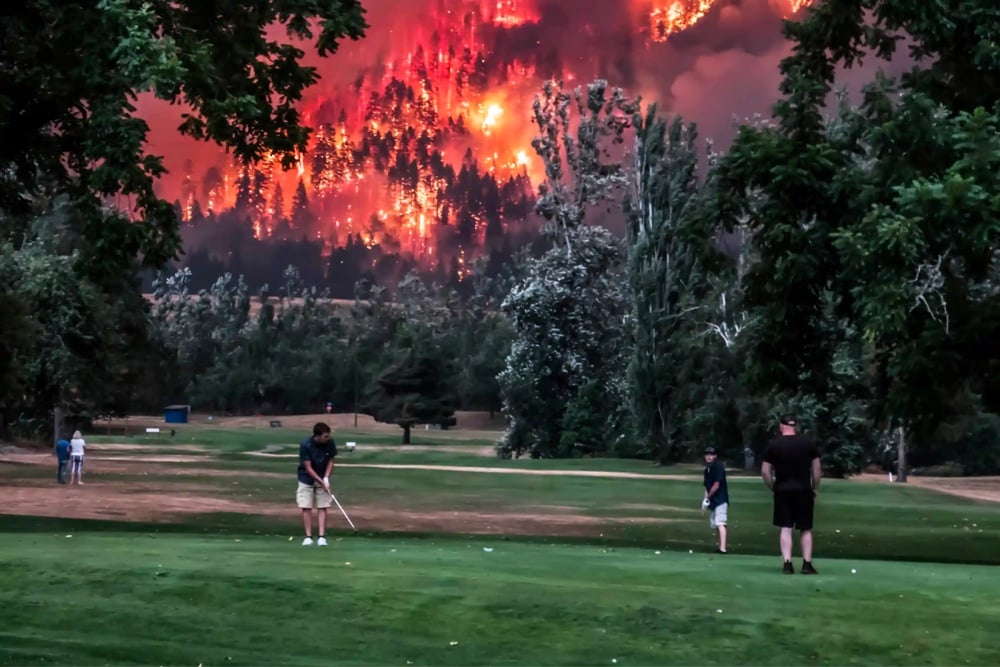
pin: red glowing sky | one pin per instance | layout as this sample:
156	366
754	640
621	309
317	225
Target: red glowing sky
721	68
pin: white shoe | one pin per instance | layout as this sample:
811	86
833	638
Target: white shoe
321	542
308	542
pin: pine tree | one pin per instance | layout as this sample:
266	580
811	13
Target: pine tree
277	208
244	190
323	161
301	217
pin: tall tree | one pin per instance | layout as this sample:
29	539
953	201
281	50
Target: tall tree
324	156
71	75
72	72
277	207
668	242
568	316
89	321
569	311
575	148
413	391
18	331
300	207
881	223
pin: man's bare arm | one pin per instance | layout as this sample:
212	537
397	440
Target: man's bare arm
711	492
817	473
767	474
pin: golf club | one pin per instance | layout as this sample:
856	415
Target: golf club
341	508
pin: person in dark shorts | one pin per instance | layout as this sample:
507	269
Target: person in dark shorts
791	469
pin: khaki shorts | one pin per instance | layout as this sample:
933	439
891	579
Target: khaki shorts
309	496
719	516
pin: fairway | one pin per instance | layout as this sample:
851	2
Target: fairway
185	550
143	598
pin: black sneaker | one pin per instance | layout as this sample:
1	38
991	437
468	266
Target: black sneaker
789	568
720	551
807	568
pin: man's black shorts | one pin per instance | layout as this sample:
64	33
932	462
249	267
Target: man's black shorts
794	509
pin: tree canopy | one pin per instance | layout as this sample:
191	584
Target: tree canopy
79	214
71	73
877	225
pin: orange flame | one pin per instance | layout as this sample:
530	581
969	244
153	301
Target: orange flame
509	14
667	19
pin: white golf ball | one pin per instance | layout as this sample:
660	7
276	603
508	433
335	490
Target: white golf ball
853	571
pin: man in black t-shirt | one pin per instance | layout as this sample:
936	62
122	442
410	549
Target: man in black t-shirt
792	470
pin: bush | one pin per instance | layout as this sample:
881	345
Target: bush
844	459
979	451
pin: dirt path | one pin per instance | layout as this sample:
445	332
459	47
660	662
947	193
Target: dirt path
122	447
521	471
289	451
164	500
971	488
141	502
116	501
470	426
498	471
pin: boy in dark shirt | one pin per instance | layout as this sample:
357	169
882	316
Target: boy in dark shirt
716	500
315	465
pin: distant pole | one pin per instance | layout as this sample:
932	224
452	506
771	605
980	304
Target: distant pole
355	392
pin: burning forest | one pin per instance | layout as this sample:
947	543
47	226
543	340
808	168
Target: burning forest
422	149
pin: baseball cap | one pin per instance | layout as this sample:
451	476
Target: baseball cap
710	450
788	420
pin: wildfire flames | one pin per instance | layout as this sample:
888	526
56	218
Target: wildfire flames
668	18
428	149
676	16
796	6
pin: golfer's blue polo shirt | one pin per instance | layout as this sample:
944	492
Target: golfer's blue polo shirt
318	454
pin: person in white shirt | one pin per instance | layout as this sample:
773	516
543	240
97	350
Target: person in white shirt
76	447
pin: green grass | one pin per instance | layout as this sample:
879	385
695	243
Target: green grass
138	598
231	588
248	439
